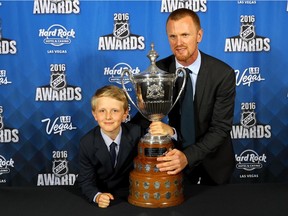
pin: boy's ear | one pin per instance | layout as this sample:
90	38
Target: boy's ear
125	115
94	115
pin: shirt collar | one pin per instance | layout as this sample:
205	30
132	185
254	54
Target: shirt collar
108	140
195	67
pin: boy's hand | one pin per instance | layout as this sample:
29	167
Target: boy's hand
160	128
103	199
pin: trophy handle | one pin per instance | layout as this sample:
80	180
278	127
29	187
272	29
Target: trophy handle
126	71
178	71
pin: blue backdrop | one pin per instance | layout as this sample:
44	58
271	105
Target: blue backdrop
54	54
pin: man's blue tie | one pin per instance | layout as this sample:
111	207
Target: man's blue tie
113	153
187	114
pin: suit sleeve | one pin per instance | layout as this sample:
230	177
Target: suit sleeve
86	179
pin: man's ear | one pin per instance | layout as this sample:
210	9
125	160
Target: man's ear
199	35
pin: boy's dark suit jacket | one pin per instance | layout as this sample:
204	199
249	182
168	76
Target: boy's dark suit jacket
96	171
214	108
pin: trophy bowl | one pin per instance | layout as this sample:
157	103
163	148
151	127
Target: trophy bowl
154	99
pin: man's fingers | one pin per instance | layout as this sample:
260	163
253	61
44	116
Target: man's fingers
164	159
173	172
172	162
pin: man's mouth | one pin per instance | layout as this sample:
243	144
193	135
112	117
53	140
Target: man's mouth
180	49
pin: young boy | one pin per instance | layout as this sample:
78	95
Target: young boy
99	177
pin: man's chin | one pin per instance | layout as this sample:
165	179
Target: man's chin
181	58
181	55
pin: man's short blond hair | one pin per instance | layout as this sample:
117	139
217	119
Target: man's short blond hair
183	12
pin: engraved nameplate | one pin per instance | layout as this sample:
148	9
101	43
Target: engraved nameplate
154	152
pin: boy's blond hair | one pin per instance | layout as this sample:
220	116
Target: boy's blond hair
112	92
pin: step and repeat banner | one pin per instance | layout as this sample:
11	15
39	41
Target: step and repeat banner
54	54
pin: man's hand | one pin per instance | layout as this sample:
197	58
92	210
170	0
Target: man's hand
172	162
103	199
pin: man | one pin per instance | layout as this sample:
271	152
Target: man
210	158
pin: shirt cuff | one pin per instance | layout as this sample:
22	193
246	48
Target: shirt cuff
175	137
94	199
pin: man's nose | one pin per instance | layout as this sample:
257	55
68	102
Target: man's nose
178	41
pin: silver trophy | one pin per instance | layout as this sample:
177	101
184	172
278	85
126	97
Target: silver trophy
154	95
154	89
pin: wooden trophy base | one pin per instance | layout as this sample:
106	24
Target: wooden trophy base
149	187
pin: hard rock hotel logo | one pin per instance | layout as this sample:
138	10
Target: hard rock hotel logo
57	35
5	166
56	7
114	73
7	135
250	160
248	127
58	89
121	38
60	172
247	40
195	5
7	46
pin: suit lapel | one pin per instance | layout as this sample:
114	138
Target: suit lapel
201	82
172	66
126	146
102	152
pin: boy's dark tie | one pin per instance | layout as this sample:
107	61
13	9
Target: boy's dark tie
113	153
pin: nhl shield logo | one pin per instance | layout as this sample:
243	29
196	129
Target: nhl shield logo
248	119
121	30
60	167
247	32
58	81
